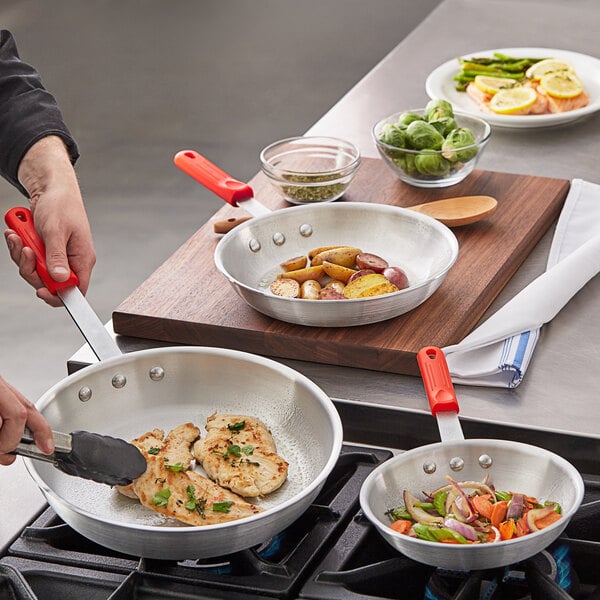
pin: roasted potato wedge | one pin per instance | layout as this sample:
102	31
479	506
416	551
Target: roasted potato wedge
293	264
336	285
344	256
288	288
320	249
309	290
337	271
366	286
302	275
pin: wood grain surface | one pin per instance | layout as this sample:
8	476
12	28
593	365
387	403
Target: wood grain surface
187	301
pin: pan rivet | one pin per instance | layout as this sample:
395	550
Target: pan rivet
254	245
119	381
457	463
429	467
85	393
278	239
157	373
485	461
306	230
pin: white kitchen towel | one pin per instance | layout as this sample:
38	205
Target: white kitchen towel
498	352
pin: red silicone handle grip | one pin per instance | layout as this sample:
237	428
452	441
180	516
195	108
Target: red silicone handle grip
437	380
208	174
21	221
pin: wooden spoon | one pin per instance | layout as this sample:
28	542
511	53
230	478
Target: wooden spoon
462	210
452	212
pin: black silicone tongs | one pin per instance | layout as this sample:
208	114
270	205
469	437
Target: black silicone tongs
101	458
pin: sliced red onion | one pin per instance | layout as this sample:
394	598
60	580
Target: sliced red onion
516	506
464	510
465	530
483	488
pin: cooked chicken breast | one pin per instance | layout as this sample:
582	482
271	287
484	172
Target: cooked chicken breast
169	487
239	453
176	449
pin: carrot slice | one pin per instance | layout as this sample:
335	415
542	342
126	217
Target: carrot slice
547	520
401	526
483	505
507	529
499	511
522	527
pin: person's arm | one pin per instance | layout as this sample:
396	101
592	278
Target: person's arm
37	155
16	412
28	112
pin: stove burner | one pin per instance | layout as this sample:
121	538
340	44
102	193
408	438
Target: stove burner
508	583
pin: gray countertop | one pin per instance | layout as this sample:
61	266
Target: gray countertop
551	406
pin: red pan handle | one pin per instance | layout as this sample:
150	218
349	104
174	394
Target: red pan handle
208	174
20	220
437	380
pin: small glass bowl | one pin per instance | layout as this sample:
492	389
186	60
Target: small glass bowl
308	170
401	160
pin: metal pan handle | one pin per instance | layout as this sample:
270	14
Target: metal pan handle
437	380
216	180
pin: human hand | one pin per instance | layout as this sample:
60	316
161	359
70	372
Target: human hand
59	217
15	413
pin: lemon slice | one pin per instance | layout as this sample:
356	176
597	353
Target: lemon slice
513	100
548	65
561	84
491	85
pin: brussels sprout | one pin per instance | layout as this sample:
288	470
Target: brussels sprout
406	118
429	162
459	138
393	135
444	125
422	135
407	163
438	109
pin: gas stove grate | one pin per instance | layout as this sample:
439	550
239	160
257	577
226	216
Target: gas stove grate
275	569
332	552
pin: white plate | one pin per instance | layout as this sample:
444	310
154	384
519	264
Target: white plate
440	84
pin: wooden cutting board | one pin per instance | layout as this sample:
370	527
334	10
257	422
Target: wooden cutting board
187	301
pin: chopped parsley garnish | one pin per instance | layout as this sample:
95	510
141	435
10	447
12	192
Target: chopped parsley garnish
194	503
235	450
177	467
236	426
154	450
162	498
222	506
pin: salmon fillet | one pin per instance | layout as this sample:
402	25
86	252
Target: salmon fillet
545	104
560	105
239	453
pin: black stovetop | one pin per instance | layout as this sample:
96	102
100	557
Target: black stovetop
331	552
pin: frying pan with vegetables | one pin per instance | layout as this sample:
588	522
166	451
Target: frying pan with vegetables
505	465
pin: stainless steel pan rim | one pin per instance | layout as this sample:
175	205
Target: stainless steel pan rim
107	526
264	241
382	490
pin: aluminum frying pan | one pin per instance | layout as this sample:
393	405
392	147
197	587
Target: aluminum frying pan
249	255
510	466
127	395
